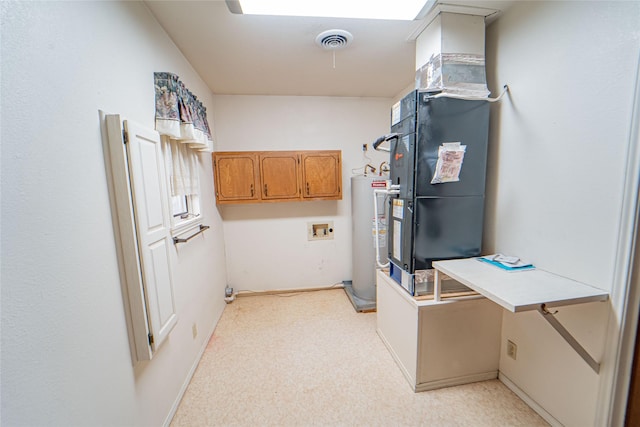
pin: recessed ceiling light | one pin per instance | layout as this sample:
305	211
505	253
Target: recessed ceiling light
366	9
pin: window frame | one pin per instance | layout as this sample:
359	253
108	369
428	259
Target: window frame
192	217
183	221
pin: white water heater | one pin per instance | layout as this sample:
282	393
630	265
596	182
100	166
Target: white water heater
362	291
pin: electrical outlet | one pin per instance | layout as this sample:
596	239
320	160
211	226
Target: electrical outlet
512	349
194	331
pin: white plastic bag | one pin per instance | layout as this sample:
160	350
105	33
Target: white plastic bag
449	165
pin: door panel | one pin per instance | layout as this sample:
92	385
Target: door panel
236	176
151	187
402	164
447	227
151	211
279	172
163	314
322	175
451	120
400	233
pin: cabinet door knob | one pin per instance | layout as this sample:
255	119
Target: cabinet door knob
251	190
266	191
307	188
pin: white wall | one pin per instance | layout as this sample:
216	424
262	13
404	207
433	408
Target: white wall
266	243
558	149
65	351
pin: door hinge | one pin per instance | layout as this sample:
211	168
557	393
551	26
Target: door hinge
125	138
150	339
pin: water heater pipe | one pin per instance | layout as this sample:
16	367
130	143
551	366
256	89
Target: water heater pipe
393	189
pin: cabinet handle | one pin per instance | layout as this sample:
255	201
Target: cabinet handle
251	190
266	191
307	188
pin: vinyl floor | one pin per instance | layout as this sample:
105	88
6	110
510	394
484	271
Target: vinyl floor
309	359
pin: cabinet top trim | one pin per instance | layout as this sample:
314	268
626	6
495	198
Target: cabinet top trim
279	152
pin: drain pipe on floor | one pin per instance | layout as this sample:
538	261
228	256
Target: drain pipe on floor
229	295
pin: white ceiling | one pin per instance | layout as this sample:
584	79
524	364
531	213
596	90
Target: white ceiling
273	55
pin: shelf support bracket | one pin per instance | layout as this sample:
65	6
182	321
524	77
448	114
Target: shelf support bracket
549	317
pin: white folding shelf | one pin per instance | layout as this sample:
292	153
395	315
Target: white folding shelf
519	291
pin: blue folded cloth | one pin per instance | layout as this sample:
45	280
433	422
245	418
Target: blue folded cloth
506	263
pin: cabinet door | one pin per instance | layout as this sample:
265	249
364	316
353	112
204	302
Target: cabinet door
236	177
279	173
322	175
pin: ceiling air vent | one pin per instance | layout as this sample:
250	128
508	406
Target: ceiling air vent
334	39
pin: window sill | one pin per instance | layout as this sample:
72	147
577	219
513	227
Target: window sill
185	225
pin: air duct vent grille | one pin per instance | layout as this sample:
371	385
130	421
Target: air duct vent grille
334	39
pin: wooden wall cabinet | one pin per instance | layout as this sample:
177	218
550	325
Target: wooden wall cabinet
277	176
280	175
237	177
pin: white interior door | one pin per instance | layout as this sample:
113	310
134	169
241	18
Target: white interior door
152	223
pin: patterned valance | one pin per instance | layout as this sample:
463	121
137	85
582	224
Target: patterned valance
179	113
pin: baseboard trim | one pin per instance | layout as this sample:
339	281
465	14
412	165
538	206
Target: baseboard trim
287	291
529	401
450	382
192	371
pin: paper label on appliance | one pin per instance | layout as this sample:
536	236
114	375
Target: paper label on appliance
378	184
397	240
449	165
395	113
382	233
407	143
398	211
